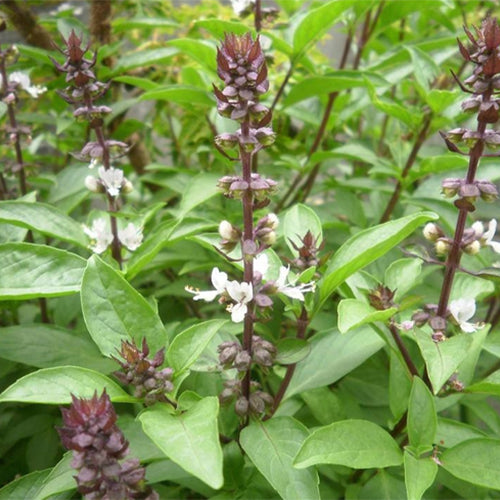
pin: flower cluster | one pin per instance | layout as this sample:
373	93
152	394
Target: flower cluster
99	446
256	402
232	354
149	381
82	92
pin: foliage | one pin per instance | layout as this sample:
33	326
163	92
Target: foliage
288	153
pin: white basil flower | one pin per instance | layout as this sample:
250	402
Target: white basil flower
292	291
240	7
99	235
23	80
242	294
112	179
131	236
219	281
462	310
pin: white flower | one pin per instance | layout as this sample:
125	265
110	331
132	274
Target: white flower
486	237
260	264
99	235
23	80
226	231
92	184
294	292
241	293
112	179
94	163
219	281
240	6
131	237
463	310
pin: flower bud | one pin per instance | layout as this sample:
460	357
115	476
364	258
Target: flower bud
257	405
488	190
450	187
472	248
93	184
265	136
226	141
228	232
127	186
432	232
268	238
443	246
242	361
241	406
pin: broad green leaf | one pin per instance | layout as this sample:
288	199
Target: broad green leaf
125	24
353	313
219	27
137	81
297	222
272	446
199	190
292	350
45	346
114	311
382	486
315	23
451	432
367	246
490	385
422	419
143	58
188	345
43	218
439	100
319	85
402	275
24	487
181	94
466	286
400	384
476	461
409	117
419	475
60	478
442	358
190	439
30	271
359	444
317	369
425	69
201	51
56	385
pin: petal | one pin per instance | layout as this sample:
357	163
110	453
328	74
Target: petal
261	264
283	275
234	290
478	229
468	327
206	295
492	229
495	245
238	312
219	279
293	292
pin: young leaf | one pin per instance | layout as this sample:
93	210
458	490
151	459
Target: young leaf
317	369
359	444
190	439
422	420
31	271
297	222
45	346
402	275
353	313
367	246
114	311
419	475
476	461
188	345
43	218
490	385
271	446
316	22
56	385
442	358
181	94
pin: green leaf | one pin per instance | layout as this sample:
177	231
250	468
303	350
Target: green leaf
316	22
292	350
476	461
190	439
319	85
45	346
317	369
451	432
439	100
141	58
201	51
442	358
400	384
137	81
199	190
367	246
271	446
219	27
359	444
422	419
59	480
490	385
30	271
188	345
55	386
297	222
425	69
353	313
402	275
124	24
180	94
419	475
114	311
25	487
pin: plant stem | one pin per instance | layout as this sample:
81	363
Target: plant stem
258	16
282	87
403	350
302	323
406	170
